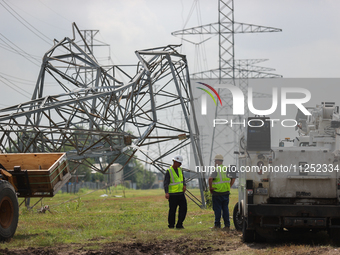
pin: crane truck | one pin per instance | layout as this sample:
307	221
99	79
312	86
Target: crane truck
293	188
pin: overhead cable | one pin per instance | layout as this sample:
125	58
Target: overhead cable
20	51
49	41
12	86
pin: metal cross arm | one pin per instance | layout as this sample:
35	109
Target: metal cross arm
213	28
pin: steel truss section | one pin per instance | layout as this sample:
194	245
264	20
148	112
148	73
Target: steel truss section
101	119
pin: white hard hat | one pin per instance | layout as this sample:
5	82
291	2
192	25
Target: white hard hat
178	158
218	157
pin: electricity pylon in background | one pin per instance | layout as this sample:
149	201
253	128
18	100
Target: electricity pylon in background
228	71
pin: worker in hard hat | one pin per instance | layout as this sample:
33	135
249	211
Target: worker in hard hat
174	187
219	185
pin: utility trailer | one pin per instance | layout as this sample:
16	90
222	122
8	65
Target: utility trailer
290	189
27	175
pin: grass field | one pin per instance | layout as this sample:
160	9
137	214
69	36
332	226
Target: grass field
86	221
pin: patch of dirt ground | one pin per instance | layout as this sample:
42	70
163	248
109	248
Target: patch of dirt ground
230	243
186	246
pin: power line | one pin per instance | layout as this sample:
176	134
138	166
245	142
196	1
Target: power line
55	11
43	21
200	50
14	86
20	82
203	50
24	81
21	52
48	42
8	48
20	79
190	13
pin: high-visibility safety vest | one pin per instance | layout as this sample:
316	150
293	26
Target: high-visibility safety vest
176	181
221	182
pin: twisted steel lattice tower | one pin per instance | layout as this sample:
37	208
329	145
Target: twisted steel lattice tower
101	119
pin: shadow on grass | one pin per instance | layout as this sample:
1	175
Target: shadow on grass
45	234
25	236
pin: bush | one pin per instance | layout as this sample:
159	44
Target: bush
208	199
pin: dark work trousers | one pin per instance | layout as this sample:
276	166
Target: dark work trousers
174	201
220	204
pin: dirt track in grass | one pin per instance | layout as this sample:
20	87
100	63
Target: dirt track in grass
230	243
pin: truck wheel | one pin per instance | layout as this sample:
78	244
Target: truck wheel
238	218
9	211
248	235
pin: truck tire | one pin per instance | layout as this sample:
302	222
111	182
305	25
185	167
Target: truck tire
238	218
9	211
248	235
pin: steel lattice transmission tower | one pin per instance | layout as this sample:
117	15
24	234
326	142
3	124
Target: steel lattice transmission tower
106	120
89	43
228	71
88	46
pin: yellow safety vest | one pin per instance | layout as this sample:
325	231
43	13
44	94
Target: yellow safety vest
221	182
176	181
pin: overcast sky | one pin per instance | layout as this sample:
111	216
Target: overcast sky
307	47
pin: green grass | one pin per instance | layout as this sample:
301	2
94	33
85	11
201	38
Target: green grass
87	220
141	215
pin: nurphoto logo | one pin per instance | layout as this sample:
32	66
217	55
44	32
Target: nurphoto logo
238	100
204	97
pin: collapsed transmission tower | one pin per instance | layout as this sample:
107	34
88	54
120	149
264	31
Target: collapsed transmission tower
100	120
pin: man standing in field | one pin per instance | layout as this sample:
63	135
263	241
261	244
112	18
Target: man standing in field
219	185
174	187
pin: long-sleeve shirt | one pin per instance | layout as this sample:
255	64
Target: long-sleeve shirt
166	182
